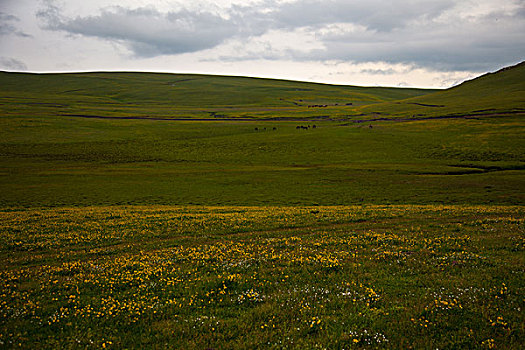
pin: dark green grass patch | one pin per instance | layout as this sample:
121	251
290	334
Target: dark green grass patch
67	161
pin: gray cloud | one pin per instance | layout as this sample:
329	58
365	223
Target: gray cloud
475	44
12	64
146	31
388	71
423	33
429	34
7	25
375	15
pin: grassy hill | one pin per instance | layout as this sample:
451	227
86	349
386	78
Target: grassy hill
60	160
181	96
258	221
192	96
492	93
251	143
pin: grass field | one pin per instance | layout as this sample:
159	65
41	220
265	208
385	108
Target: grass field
263	277
502	92
144	210
172	96
76	162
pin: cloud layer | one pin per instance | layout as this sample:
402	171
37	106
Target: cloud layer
147	31
8	25
425	43
12	63
436	34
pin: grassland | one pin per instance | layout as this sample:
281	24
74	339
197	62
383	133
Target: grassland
492	94
183	96
57	161
146	210
443	277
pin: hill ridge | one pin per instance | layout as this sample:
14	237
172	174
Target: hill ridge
179	96
502	91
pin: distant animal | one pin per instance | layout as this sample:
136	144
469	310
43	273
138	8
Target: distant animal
274	128
370	126
256	129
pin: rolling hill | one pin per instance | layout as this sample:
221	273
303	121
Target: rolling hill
229	140
243	226
182	96
193	96
492	93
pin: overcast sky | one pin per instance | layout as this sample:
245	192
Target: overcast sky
423	43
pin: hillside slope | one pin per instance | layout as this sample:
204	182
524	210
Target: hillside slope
181	95
492	93
49	156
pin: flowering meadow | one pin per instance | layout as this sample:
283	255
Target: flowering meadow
195	277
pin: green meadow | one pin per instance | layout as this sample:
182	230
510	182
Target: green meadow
143	210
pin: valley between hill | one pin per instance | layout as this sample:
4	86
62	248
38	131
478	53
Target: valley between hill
142	210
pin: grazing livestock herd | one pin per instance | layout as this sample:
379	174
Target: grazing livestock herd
257	129
298	127
305	127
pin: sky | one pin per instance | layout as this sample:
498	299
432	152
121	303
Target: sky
417	43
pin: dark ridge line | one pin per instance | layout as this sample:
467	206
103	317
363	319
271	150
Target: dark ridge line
67	91
313	118
457	116
488	168
485	110
426	105
474	170
181	80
